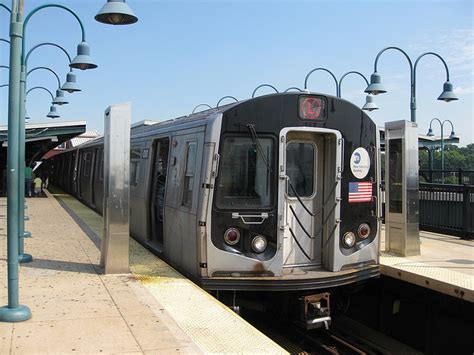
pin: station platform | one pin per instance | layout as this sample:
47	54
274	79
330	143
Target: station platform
446	265
77	309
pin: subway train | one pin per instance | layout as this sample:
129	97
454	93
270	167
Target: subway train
277	195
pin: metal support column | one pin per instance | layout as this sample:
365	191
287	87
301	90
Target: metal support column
114	257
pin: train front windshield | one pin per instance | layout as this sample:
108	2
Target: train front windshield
246	173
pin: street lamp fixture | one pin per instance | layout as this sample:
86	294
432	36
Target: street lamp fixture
60	99
53	113
83	60
451	136
116	12
375	87
70	85
370	104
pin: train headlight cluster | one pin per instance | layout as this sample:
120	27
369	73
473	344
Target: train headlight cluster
232	236
259	244
363	231
349	239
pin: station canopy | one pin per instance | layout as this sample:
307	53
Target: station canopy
41	138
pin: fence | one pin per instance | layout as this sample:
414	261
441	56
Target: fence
447	209
459	177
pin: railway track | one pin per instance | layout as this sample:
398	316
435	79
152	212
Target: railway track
345	337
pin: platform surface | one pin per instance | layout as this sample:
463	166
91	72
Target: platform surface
446	265
77	309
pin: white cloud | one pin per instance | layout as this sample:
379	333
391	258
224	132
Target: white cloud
459	90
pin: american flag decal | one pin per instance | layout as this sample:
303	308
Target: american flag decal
360	192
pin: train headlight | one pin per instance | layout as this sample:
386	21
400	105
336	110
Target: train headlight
363	230
349	239
259	244
232	236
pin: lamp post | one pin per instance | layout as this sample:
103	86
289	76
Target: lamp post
451	136
322	69
14	312
369	99
81	61
52	99
376	86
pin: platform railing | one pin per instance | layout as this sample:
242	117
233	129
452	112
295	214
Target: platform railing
447	209
459	176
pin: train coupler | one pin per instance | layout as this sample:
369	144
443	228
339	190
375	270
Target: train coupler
315	311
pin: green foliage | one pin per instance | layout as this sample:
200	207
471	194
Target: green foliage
454	158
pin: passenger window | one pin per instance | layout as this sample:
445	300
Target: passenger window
189	174
101	166
134	166
87	163
300	160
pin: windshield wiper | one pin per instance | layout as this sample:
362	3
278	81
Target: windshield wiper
256	142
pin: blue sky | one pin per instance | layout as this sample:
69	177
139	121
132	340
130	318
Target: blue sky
183	53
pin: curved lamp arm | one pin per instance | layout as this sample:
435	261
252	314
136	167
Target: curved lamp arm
436	119
226	97
46	44
27	19
6	8
3	85
4	67
46	68
293	88
4	40
323	69
346	74
433	54
42	88
395	48
452	126
261	86
200	105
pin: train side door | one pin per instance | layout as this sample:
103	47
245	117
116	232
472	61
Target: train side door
309	173
159	172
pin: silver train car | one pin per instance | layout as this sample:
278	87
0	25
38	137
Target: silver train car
276	193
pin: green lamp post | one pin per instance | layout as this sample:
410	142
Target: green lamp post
376	86
451	136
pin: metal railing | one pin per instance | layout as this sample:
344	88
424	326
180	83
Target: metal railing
459	176
447	209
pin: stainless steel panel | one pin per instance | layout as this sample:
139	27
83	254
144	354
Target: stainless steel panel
115	239
402	228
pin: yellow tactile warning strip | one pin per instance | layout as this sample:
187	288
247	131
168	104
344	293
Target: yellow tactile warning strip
213	327
440	279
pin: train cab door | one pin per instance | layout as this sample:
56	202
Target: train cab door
159	172
309	191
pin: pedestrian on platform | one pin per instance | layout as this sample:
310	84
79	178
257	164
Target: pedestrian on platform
38	185
28	180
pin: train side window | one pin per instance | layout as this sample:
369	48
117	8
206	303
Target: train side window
87	164
191	148
101	166
134	166
300	158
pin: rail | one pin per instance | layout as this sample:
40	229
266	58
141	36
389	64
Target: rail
459	176
447	209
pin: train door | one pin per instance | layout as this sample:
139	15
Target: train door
310	166
161	149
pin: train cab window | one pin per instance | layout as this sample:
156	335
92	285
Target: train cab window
245	179
135	155
191	148
101	166
300	158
